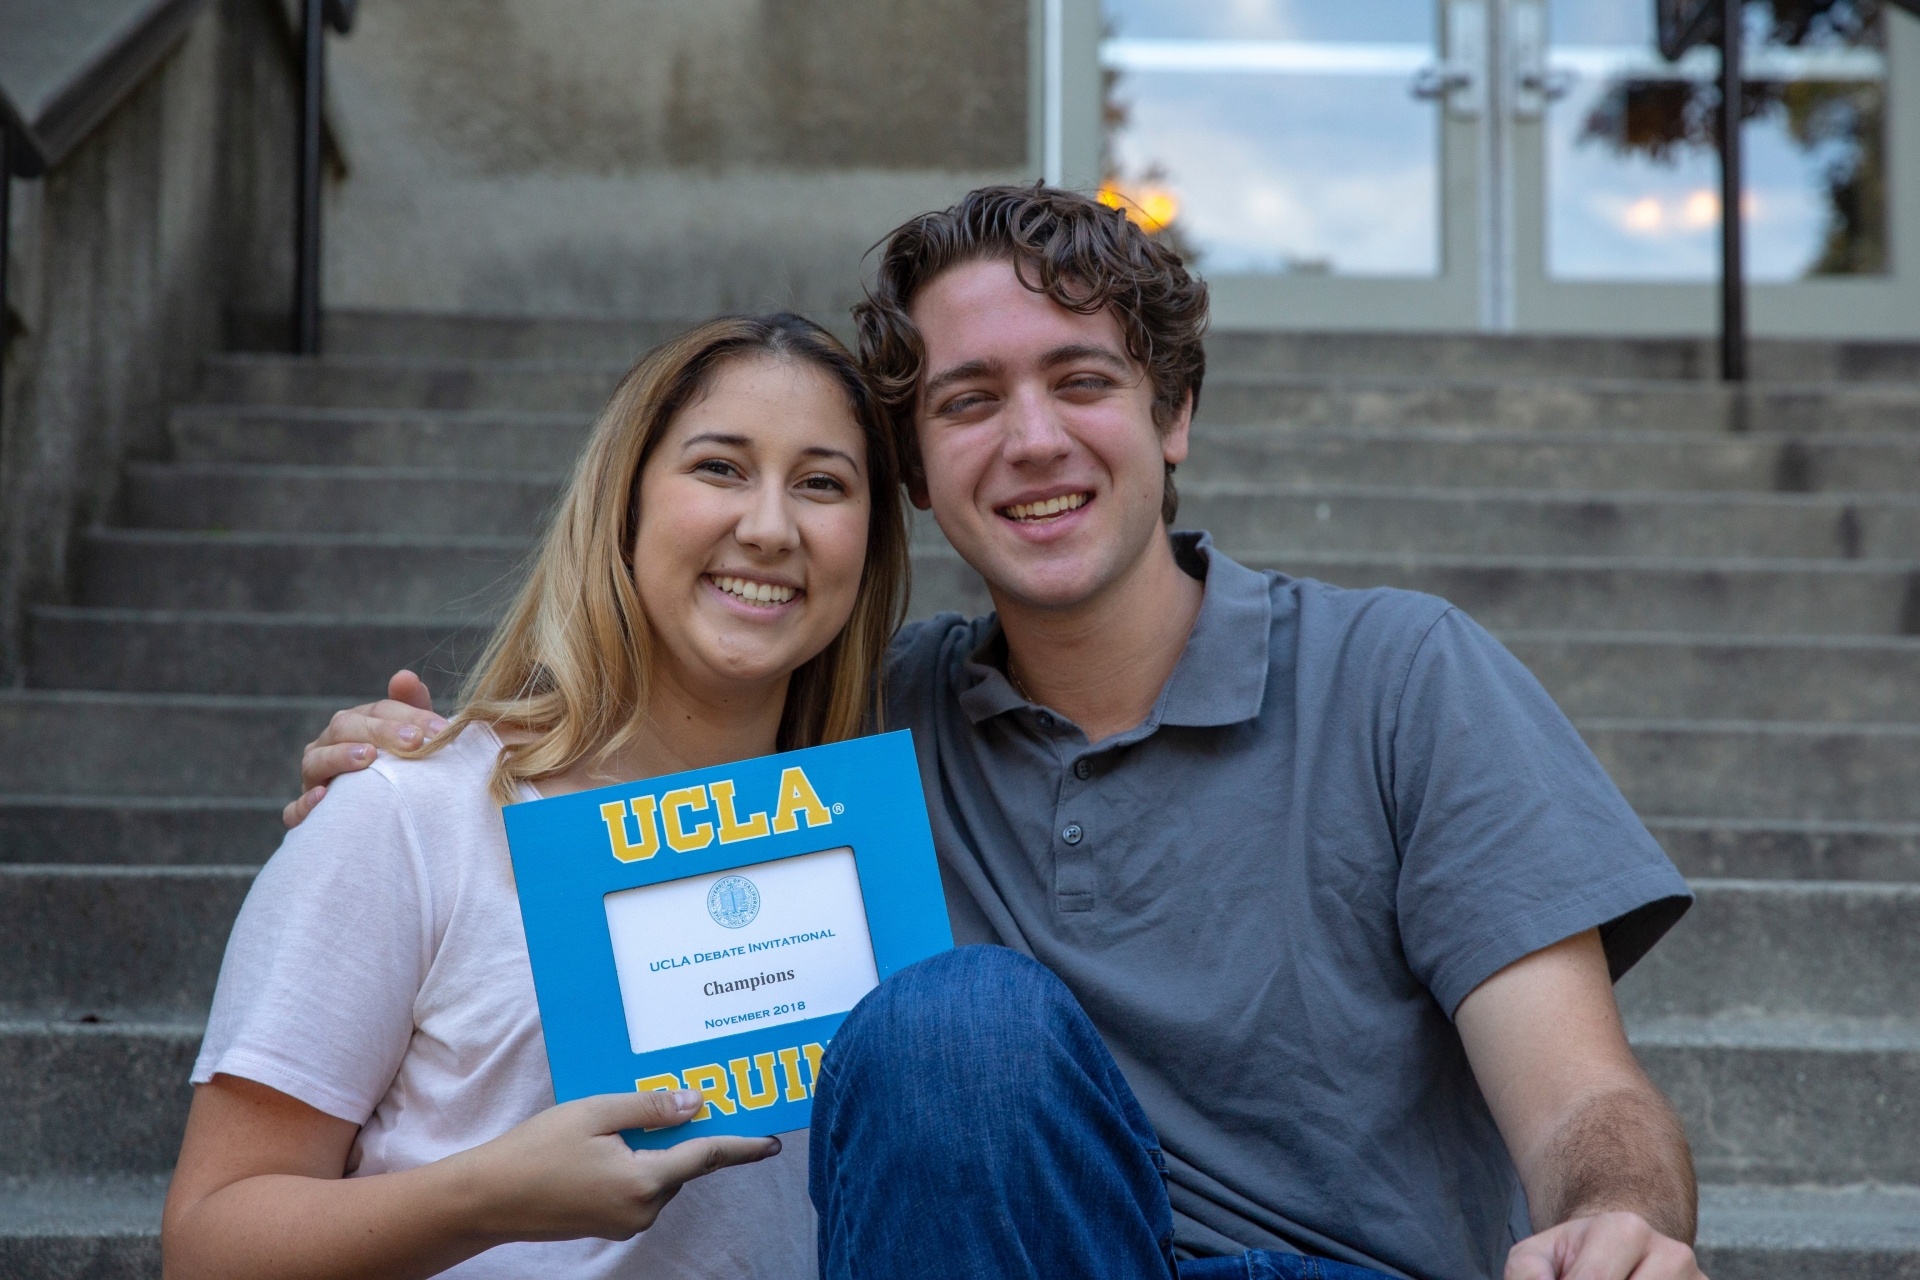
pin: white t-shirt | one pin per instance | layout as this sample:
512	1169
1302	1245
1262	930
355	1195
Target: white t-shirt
379	973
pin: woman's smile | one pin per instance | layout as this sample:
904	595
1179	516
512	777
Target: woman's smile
758	594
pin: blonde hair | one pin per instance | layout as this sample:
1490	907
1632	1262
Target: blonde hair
571	662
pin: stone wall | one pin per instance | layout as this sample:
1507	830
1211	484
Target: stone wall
657	158
127	259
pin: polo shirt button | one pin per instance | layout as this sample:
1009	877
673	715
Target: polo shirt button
1083	769
1072	834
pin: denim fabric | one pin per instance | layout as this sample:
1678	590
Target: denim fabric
1264	1264
968	1124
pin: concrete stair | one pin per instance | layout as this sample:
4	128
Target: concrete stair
1722	588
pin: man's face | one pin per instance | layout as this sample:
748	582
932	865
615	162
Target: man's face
1043	464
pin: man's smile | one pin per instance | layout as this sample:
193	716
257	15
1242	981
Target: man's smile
1046	508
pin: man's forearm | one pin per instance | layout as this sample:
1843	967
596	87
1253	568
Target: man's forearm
1621	1150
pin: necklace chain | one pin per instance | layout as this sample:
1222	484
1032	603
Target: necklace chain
1018	684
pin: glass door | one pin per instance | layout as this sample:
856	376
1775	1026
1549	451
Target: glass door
1304	153
1502	164
1616	164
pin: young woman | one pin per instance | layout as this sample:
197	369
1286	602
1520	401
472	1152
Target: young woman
372	1097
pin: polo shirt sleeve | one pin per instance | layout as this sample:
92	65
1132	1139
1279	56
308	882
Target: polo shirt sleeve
1512	837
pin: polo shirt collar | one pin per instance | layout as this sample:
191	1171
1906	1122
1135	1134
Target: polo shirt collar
1221	677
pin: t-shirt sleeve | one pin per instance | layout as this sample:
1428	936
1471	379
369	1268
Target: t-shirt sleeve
317	990
1512	836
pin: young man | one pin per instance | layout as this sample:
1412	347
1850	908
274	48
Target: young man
1334	890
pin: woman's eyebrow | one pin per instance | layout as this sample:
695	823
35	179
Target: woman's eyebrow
717	437
745	442
821	451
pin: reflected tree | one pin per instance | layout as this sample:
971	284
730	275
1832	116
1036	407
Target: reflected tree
1842	122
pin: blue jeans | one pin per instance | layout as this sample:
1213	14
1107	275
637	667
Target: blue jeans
968	1124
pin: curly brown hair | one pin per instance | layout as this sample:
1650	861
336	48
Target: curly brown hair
1080	253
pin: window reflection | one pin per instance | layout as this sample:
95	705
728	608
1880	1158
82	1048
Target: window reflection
1633	170
1276	136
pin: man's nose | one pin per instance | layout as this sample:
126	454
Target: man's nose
1034	432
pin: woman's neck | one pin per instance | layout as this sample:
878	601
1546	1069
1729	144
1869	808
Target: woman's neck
681	730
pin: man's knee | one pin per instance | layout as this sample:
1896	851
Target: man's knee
974	1017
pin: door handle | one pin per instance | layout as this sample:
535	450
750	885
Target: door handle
1460	78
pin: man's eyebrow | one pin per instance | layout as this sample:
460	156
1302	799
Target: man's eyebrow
1085	351
959	373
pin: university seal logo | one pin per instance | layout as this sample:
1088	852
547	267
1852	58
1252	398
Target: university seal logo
733	902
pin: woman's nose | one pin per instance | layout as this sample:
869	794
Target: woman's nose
767	523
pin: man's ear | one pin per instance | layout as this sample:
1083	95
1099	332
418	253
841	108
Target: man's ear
1174	442
917	492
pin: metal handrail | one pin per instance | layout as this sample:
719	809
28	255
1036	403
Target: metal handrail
316	17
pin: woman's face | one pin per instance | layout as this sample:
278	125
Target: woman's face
753	526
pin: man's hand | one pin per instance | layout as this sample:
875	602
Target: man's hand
404	720
1600	1151
1608	1246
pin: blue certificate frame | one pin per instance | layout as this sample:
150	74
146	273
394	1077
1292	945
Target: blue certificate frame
569	854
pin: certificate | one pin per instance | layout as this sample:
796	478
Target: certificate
710	930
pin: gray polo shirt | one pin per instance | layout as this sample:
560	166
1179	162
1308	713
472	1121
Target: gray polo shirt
1346	810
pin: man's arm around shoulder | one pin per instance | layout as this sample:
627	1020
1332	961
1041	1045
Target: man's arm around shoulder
1605	1163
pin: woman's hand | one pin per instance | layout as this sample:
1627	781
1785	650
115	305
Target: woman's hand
260	1191
567	1173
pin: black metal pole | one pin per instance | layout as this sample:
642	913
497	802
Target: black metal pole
306	284
1733	282
6	254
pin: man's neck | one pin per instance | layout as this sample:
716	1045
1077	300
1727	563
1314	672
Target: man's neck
1103	663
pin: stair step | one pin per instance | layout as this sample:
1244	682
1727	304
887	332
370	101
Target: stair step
1551	356
1611	459
454	578
1783	948
350	658
1638	594
1616	458
1574	593
1766	1101
72	743
145	943
1774	849
264	654
544	443
1793	1233
1463	521
449	503
117	944
101	1228
141	830
109	1229
1375	401
1791	1101
395	382
492	337
1300	399
94	1098
1656	675
431	502
1762	768
470	578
